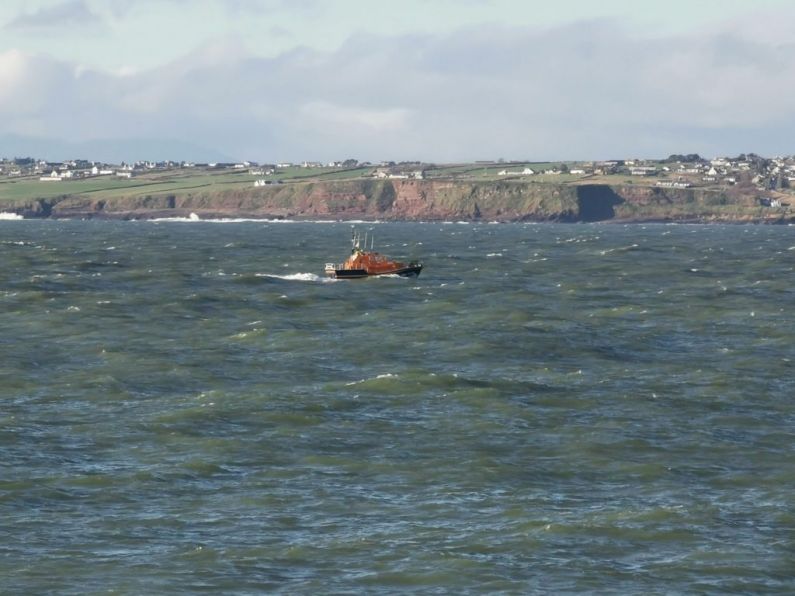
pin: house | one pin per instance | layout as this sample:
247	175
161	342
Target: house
52	177
643	171
96	171
527	172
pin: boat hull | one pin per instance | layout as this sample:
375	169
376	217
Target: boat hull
410	271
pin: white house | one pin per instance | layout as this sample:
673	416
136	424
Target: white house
52	177
643	171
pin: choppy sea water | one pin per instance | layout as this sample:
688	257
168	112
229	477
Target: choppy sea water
192	407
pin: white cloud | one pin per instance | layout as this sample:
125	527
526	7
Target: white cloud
12	74
586	90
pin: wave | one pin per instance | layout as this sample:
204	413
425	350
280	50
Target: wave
194	218
311	277
370	379
9	216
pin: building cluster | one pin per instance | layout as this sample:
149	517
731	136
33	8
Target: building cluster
677	171
765	174
77	169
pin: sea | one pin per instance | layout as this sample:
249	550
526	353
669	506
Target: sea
193	407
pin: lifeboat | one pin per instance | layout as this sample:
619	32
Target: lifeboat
367	263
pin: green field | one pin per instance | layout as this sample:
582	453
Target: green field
26	189
13	190
492	170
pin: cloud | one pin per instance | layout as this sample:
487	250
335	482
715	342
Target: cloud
64	16
122	8
588	90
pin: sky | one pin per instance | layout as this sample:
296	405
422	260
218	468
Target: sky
435	80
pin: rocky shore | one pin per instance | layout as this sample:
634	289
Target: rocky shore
423	200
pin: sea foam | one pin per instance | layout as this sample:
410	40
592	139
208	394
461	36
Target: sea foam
311	277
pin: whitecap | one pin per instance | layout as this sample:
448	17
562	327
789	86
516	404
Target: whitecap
381	376
311	277
263	220
9	216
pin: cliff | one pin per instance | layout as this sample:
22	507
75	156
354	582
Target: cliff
427	200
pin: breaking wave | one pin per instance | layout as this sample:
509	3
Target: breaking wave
311	277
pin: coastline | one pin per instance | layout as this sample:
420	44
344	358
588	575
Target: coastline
416	200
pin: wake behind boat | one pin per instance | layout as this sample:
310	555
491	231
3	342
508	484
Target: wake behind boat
364	263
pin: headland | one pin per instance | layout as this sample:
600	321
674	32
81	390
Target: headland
746	189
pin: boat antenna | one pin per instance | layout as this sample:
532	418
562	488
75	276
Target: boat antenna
372	242
365	240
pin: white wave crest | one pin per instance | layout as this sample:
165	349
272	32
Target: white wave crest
382	376
311	277
194	218
7	215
